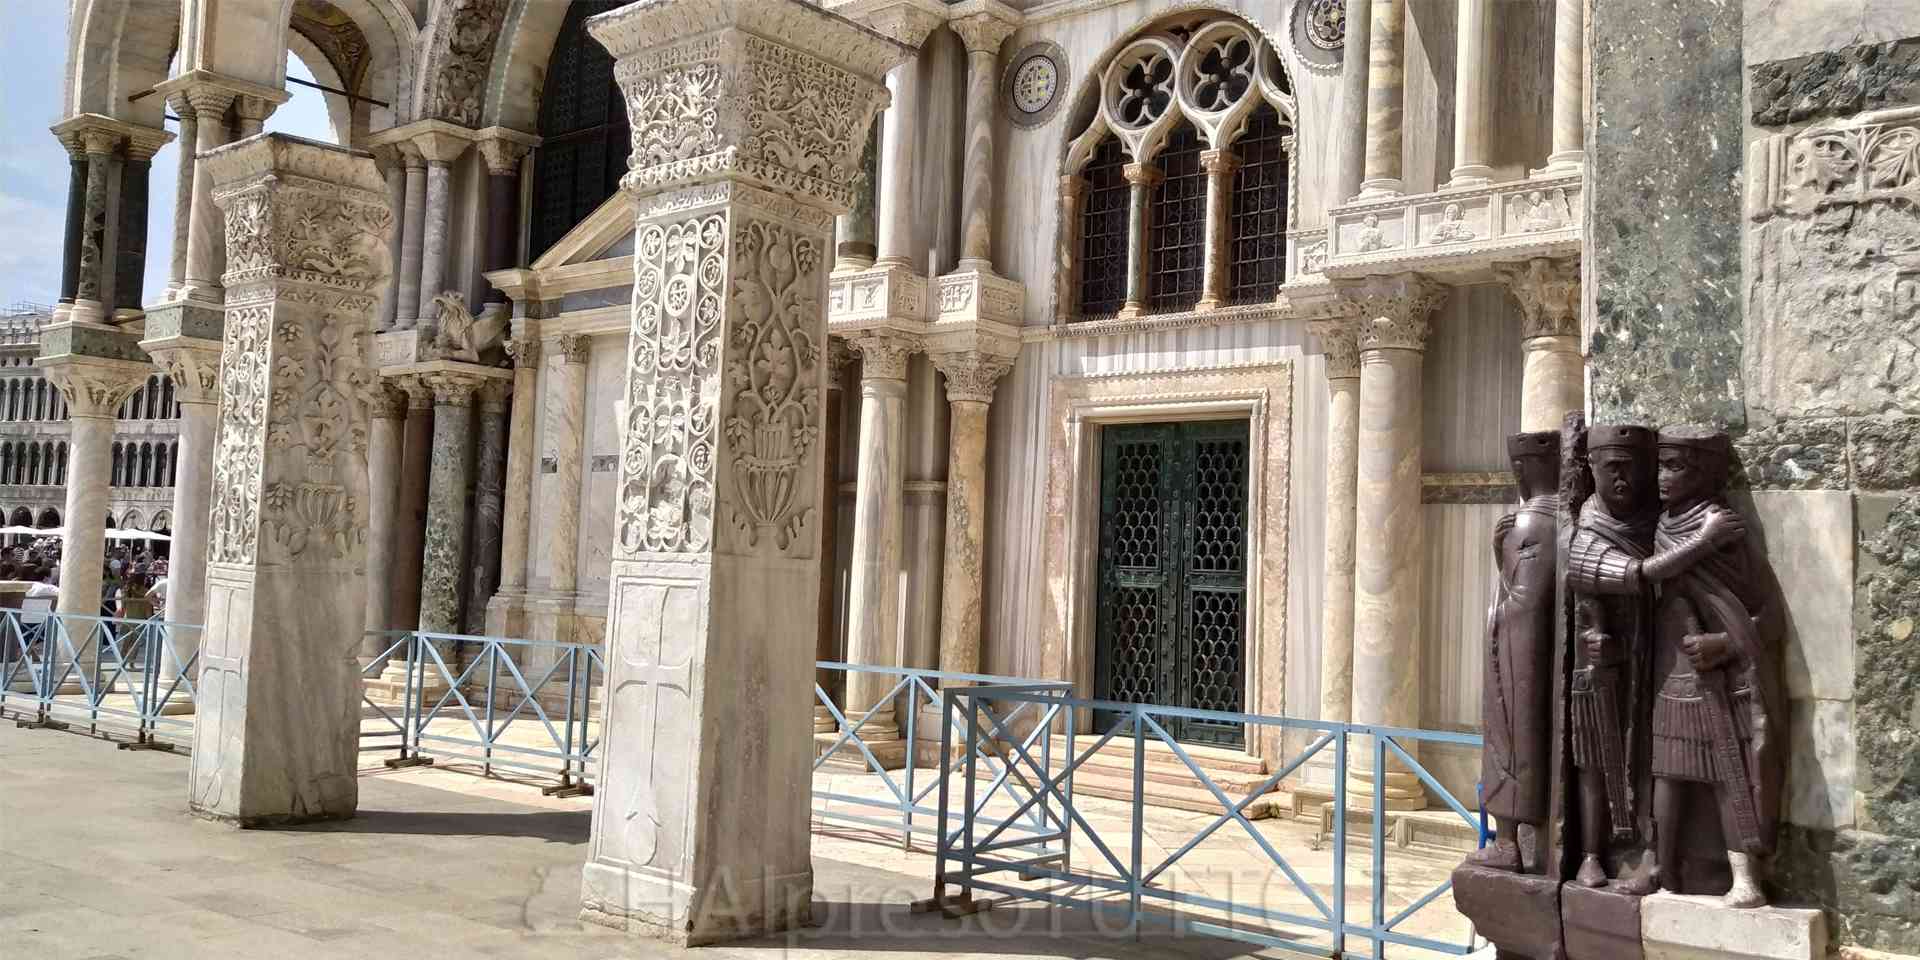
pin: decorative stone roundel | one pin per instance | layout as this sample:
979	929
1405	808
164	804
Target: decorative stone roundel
1318	33
1035	83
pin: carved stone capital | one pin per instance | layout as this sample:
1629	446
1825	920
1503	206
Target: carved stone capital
904	20
451	388
1339	341
884	354
503	156
573	347
192	363
210	102
711	97
1394	312
1142	175
525	351
838	356
419	397
1549	295
386	402
253	108
494	394
972	375
1219	163
301	215
95	387
983	32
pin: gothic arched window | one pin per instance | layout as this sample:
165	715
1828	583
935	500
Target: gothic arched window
1177	237
61	476
1258	252
119	460
583	130
1103	231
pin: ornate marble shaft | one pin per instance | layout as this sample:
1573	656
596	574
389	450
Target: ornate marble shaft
276	739
1343	427
566	426
982	34
1219	165
899	142
443	563
433	252
93	238
1141	179
395	171
489	493
701	820
1392	337
856	232
75	223
1354	72
1386	75
971	378
182	202
873	593
410	515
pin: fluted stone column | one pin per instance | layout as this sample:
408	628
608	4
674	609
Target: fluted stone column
440	150
982	34
873	595
1473	94
1386	77
206	232
1354	73
1219	165
1569	86
87	303
278	732
181	338
1553	375
413	222
385	440
566	431
1336	605
94	388
971	377
489	494
506	614
1141	179
1392	337
702	813
449	493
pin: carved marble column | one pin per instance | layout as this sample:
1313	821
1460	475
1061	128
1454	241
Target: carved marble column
1569	86
982	33
192	359
489	495
505	614
873	593
702	820
440	147
385	439
1392	337
971	377
87	303
94	388
566	432
1336	604
1142	179
1354	74
413	221
449	493
1386	76
1553	376
206	233
1219	165
1473	94
277	734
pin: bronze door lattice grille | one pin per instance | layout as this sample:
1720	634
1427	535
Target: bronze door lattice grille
1173	571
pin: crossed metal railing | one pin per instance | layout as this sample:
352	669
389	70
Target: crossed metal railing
972	854
58	669
495	704
907	781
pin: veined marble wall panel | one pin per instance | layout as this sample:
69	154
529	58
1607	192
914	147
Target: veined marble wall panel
1426	137
1470	386
1026	221
599	468
540	511
1457	583
942	150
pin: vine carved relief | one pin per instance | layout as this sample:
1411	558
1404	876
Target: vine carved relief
773	382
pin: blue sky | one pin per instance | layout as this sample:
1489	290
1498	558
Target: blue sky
33	165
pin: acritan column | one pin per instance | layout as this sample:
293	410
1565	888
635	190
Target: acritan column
1392	338
701	819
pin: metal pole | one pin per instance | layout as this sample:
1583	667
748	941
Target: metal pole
493	673
1139	818
1379	845
906	802
1339	945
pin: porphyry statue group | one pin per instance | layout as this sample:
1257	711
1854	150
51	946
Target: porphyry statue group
1668	696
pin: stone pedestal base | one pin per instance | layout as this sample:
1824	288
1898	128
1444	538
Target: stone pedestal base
634	901
507	615
892	754
1676	927
1600	923
1519	913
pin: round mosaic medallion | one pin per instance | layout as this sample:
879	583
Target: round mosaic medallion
1035	83
1318	33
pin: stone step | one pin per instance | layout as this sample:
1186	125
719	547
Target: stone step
1177	796
1119	750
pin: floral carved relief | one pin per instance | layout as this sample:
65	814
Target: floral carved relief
773	385
673	388
675	113
463	57
243	433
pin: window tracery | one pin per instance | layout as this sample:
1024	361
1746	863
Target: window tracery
1199	85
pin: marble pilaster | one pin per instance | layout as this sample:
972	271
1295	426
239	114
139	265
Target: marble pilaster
1219	165
566	432
1141	179
506	612
1343	426
701	826
1391	334
277	734
94	388
971	378
873	593
385	439
1473	94
489	500
1386	79
1553	373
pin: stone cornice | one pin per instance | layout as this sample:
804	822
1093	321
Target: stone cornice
142	142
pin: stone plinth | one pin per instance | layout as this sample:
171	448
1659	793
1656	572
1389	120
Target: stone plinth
306	238
701	820
1675	927
1520	914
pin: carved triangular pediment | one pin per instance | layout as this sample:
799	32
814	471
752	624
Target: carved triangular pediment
606	233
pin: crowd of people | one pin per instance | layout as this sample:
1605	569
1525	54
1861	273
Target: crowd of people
133	582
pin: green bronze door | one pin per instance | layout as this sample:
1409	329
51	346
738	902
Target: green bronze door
1171	626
